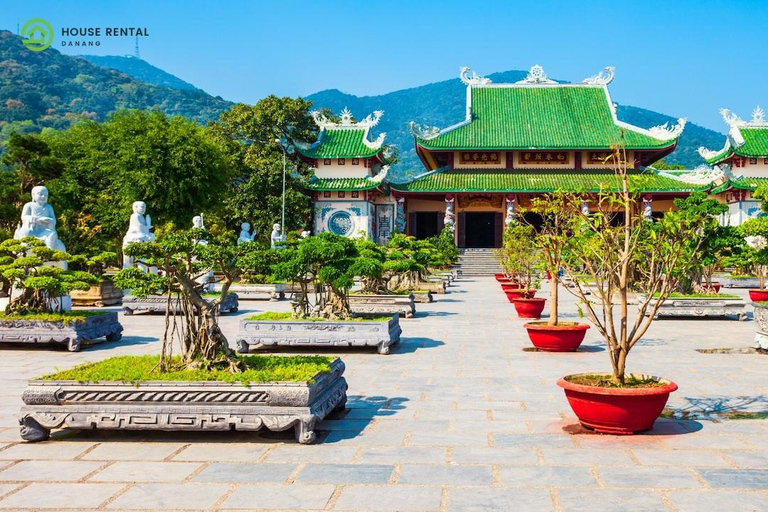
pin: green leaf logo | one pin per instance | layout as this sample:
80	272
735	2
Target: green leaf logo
37	34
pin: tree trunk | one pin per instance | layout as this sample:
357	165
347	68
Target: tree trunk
553	303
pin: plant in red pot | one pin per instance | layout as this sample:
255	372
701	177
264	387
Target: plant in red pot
631	254
755	233
551	240
519	257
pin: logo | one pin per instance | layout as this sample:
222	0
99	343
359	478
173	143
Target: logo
37	34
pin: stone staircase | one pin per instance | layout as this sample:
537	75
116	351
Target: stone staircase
478	262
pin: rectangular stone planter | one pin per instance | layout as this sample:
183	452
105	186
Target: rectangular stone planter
423	297
402	305
73	334
256	291
330	333
102	294
433	286
156	304
699	307
741	282
192	406
761	317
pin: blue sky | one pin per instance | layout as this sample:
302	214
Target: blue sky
682	58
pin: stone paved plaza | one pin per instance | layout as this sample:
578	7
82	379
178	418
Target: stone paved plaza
459	417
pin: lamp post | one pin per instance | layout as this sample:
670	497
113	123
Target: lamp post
282	219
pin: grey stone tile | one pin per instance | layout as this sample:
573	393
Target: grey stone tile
133	451
400	455
680	458
492	500
389	497
222	452
168	496
279	496
37	471
326	453
345	474
733	478
610	500
448	439
705	441
750	459
69	495
129	471
51	450
641	477
510	456
6	488
445	475
546	476
535	440
586	457
732	501
244	473
380	437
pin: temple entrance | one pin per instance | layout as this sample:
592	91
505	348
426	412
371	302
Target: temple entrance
480	229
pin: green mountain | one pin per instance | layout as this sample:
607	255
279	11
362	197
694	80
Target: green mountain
48	89
141	70
443	103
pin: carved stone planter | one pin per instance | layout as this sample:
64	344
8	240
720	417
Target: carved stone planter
738	282
156	304
73	334
193	406
422	296
438	286
700	307
271	292
402	305
103	294
305	333
761	317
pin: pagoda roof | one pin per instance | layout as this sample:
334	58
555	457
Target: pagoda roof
538	113
741	183
446	179
343	139
747	139
346	184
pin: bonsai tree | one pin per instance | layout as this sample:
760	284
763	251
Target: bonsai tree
755	233
324	259
369	266
631	254
446	247
22	267
96	265
181	261
408	261
518	255
256	262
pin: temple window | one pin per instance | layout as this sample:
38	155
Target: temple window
342	161
355	161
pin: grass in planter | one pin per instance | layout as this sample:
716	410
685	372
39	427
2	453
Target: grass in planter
286	316
701	296
604	381
66	317
136	369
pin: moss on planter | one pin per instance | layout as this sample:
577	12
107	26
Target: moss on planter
66	317
136	369
280	316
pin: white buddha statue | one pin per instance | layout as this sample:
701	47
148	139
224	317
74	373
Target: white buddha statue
39	221
276	237
199	223
245	233
138	229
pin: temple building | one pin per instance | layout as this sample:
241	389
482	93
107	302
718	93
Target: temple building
516	141
742	163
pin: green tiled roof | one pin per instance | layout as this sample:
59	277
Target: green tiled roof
331	184
755	142
340	143
741	183
726	152
541	117
541	181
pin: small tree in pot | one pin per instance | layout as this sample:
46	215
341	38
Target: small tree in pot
755	233
520	259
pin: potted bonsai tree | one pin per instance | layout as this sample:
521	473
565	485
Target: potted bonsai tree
104	292
552	241
755	233
520	258
197	382
633	253
257	280
35	312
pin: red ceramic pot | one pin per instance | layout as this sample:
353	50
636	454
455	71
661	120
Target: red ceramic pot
511	286
529	308
715	286
519	294
556	338
500	277
617	410
758	295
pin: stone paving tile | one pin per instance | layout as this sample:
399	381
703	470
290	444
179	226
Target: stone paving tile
145	472
700	440
586	457
546	476
39	471
164	496
388	497
509	456
610	500
328	453
535	440
698	501
222	452
489	500
345	474
133	451
750	459
51	450
662	478
280	496
447	439
243	473
690	458
448	475
397	454
733	478
385	437
69	495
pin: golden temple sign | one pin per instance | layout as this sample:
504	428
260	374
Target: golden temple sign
600	157
543	158
481	157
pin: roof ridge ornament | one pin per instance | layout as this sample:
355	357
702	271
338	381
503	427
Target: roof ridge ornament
706	154
473	79
375	144
536	75
423	132
758	117
600	78
667	132
346	120
701	175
